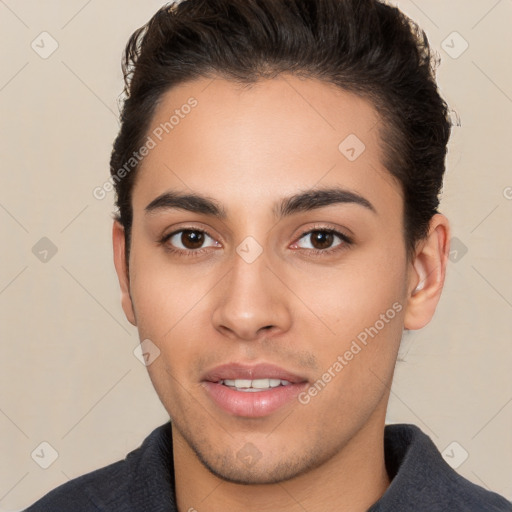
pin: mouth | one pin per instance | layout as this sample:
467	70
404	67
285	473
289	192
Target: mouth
255	385
252	391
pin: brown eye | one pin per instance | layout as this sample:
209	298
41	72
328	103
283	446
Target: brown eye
192	239
321	239
188	240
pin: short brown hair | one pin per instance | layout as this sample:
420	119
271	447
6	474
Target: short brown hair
363	46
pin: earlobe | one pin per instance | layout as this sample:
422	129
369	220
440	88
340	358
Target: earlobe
118	241
427	274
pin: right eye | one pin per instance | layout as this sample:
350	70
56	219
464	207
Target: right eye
188	242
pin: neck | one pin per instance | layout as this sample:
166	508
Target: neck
351	480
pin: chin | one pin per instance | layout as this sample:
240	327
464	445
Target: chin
250	467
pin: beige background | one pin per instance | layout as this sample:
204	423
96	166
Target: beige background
68	374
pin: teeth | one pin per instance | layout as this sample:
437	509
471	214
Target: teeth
239	383
255	384
264	383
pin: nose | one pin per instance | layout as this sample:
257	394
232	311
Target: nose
251	301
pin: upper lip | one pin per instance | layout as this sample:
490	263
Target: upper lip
233	371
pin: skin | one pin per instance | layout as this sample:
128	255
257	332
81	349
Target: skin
248	148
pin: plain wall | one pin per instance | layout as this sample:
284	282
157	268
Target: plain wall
68	374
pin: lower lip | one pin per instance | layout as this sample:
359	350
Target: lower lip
250	404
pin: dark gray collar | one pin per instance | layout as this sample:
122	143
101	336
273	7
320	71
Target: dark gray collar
421	480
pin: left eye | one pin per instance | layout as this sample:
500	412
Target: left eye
190	239
321	239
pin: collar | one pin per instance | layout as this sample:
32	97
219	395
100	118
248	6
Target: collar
420	478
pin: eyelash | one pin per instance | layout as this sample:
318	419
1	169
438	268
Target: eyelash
346	242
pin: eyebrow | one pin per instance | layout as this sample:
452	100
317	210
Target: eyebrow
319	198
300	202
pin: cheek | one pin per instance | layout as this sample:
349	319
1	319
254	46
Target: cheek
170	309
164	294
362	304
364	313
353	295
173	311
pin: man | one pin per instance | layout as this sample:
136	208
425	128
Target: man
277	173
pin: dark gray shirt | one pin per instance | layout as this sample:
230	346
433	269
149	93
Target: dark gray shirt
421	481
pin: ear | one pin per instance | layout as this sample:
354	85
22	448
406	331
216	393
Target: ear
427	274
118	240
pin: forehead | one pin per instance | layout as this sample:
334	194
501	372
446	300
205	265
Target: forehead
244	143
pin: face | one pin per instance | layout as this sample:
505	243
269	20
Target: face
286	262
